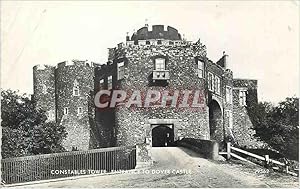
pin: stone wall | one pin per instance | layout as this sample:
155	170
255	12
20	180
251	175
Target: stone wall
242	125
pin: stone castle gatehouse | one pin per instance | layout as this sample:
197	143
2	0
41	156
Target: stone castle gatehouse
156	58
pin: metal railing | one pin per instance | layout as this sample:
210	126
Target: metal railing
265	159
161	75
66	164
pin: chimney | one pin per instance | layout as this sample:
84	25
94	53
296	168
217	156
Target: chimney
225	60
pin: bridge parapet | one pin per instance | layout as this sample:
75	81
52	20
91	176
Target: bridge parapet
143	155
208	148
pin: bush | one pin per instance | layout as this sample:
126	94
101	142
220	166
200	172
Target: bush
278	126
24	128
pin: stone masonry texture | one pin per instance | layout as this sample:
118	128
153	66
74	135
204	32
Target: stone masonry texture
122	126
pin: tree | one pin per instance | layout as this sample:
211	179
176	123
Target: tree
25	130
278	126
284	126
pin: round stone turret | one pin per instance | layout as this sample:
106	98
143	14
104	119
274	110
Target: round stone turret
74	86
44	89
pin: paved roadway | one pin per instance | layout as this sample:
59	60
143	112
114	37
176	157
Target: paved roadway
179	167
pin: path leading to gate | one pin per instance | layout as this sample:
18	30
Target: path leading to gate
179	167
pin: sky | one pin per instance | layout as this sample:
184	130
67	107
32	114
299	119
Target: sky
260	37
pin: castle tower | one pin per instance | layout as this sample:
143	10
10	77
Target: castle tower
158	59
44	89
161	59
74	90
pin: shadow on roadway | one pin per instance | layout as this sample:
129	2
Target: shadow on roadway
190	152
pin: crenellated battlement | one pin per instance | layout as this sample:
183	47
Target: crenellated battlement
177	47
158	42
43	67
157	32
76	62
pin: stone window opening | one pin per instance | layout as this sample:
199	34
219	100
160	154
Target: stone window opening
171	43
101	82
76	88
79	110
147	42
66	111
51	115
200	69
160	64
160	74
159	42
242	97
228	94
121	70
217	85
44	89
109	82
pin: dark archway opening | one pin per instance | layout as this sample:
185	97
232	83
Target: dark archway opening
215	121
163	135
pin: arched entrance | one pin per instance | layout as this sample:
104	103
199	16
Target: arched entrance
215	121
163	135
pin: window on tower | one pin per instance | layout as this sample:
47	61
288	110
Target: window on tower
66	111
79	110
160	64
228	94
51	115
121	70
217	85
242	97
200	69
109	82
76	88
160	72
44	89
101	83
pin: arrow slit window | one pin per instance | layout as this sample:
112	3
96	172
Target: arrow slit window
66	111
109	82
